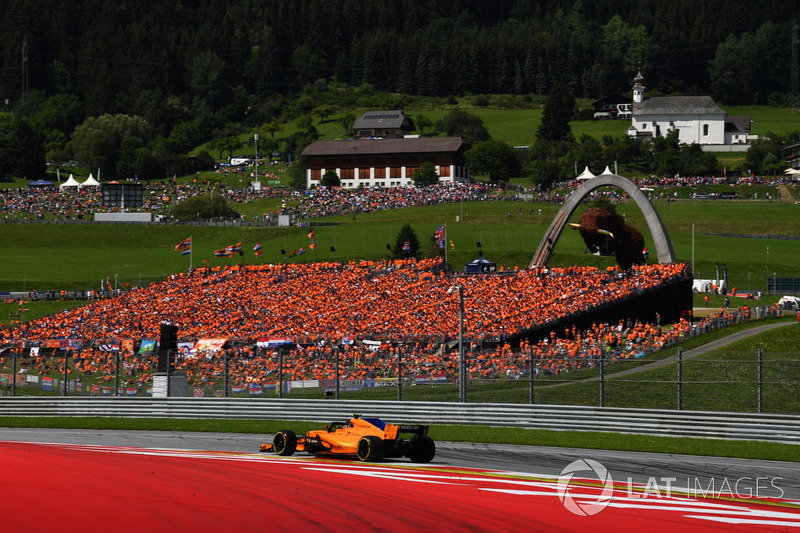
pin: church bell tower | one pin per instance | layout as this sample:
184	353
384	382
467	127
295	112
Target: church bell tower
638	88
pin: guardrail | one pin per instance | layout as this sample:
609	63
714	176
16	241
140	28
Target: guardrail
710	424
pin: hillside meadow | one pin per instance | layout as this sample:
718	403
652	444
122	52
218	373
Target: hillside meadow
78	256
517	126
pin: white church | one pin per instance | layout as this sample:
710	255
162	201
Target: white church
696	119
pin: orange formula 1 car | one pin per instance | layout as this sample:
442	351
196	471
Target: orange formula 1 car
369	439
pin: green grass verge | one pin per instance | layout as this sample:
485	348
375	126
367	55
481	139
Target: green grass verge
484	434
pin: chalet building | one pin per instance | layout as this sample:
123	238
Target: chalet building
696	119
383	124
793	158
613	106
385	162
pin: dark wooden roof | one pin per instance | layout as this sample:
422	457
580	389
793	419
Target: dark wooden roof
737	123
392	119
386	146
612	100
677	105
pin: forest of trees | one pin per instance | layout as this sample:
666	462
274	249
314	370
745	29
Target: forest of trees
196	71
109	52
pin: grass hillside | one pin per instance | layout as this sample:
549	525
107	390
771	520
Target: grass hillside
517	123
78	256
66	256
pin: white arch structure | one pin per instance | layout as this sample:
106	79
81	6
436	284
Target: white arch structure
661	242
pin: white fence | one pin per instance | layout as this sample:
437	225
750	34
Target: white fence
747	426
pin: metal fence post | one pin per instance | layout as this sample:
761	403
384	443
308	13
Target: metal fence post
169	374
602	383
14	372
226	376
66	375
337	371
531	398
400	375
680	378
116	374
280	372
760	381
462	363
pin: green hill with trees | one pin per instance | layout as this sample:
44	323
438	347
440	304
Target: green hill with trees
134	89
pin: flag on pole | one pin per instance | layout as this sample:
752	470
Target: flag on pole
230	250
439	236
257	249
185	248
313	236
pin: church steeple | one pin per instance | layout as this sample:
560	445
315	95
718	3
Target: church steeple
638	88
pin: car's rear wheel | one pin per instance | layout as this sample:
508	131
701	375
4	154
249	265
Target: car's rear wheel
370	448
285	442
422	450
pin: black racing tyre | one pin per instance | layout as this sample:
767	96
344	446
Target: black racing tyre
422	450
285	442
370	448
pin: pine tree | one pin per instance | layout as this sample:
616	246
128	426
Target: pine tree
406	244
542	79
556	114
519	84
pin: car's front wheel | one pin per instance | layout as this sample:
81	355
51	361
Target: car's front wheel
285	442
370	448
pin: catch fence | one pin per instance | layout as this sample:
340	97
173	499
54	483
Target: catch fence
756	381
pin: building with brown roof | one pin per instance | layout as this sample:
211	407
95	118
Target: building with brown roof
385	162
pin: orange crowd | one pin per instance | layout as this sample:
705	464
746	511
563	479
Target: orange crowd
402	306
401	300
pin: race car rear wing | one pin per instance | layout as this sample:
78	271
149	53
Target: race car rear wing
417	429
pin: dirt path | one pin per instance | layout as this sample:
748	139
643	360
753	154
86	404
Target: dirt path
786	193
688	354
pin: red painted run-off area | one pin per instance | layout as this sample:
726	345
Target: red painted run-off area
96	488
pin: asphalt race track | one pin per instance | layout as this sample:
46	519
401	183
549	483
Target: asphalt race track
134	480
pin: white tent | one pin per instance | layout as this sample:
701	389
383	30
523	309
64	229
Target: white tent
90	182
606	171
71	182
586	174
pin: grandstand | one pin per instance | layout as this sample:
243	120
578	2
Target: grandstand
399	307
